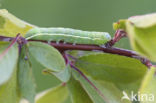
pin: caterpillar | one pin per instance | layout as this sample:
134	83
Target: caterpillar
68	35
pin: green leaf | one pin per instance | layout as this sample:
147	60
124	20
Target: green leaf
9	91
110	67
46	55
113	94
129	87
143	40
7	62
143	21
54	95
42	81
141	31
148	87
63	75
25	77
105	92
11	25
93	94
77	93
120	24
139	21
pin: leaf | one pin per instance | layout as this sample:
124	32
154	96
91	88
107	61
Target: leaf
106	92
110	67
129	87
148	87
54	95
25	77
113	94
42	81
63	75
77	93
94	95
143	40
7	62
141	31
139	21
9	91
120	24
10	25
46	55
144	21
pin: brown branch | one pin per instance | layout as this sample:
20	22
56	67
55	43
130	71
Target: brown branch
69	46
119	34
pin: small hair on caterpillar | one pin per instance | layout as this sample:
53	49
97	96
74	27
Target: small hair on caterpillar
68	35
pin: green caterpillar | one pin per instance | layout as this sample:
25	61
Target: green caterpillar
68	35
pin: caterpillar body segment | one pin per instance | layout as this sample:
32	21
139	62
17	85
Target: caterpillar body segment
68	35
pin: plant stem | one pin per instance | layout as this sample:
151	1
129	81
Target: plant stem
124	52
119	34
112	50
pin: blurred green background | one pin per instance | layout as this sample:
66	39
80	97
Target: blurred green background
92	15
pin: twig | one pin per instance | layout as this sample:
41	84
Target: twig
119	34
68	46
112	50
